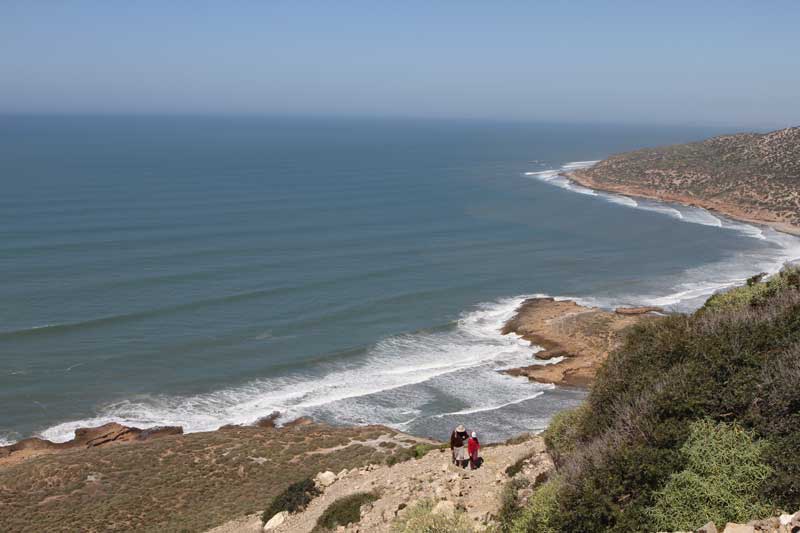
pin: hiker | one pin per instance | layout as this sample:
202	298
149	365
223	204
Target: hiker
473	447
458	446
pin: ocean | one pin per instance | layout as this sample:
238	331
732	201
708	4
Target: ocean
203	271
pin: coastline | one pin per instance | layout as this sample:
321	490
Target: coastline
727	210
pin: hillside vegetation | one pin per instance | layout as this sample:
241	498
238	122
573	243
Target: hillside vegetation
748	175
695	418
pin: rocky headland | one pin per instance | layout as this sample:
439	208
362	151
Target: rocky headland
748	176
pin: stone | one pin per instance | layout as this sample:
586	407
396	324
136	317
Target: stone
732	527
785	519
297	422
276	521
268	421
768	524
710	527
325	479
445	508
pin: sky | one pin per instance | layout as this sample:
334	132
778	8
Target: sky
707	62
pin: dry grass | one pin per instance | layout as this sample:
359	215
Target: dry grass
182	483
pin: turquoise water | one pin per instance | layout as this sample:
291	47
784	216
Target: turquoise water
199	271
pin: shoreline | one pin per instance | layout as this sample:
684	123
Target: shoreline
726	210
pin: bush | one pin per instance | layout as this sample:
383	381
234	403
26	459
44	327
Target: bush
755	292
418	451
561	434
721	483
625	453
539	514
420	519
295	497
509	503
344	511
516	467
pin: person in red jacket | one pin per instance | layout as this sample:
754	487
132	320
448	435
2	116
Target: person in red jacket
473	447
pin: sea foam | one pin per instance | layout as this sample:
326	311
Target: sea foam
391	384
700	282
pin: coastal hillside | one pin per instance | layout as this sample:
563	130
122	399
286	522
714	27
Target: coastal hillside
750	176
691	419
695	418
176	483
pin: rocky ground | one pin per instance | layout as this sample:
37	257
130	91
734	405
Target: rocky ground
433	477
581	336
785	523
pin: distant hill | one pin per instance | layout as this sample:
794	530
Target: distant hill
749	176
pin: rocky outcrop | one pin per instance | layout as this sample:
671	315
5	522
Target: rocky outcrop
581	336
111	433
785	523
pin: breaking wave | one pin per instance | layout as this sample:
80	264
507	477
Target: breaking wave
393	383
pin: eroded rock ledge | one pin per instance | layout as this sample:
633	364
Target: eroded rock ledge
581	336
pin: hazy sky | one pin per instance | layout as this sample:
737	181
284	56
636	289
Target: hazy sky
709	62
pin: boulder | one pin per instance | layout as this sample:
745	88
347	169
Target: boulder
710	527
732	527
768	524
325	479
268	421
276	521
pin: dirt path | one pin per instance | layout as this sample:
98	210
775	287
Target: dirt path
432	477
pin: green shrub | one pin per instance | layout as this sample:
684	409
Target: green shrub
509	503
539	514
420	519
737	360
755	292
346	510
418	451
561	434
295	497
721	483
